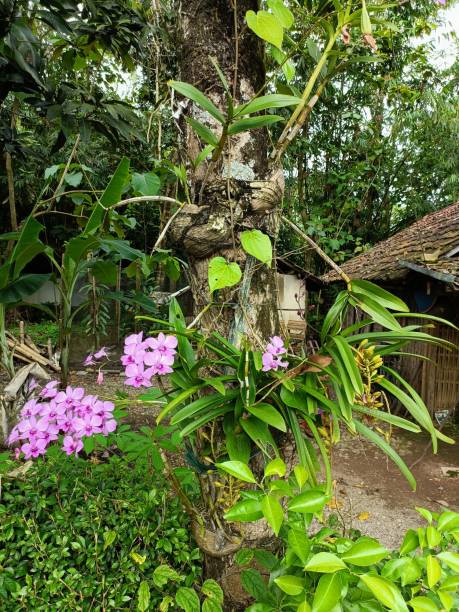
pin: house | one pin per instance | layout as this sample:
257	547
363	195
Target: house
420	264
293	284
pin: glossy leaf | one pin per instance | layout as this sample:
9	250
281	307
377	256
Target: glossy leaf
448	521
365	552
223	274
450	559
273	513
328	592
380	295
299	543
253	123
187	599
282	13
292	585
204	133
264	102
325	563
308	502
268	414
22	287
276	467
423	604
238	470
385	592
266	26
433	569
189	91
258	245
245	511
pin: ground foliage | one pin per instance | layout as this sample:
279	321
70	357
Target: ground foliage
80	535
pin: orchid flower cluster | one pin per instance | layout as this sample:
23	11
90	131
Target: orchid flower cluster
54	412
93	359
271	358
143	359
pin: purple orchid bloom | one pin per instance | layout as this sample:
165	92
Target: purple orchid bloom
137	376
34	448
101	353
49	391
71	445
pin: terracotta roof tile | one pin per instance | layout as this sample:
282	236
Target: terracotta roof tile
426	241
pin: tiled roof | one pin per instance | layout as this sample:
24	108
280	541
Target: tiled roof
426	242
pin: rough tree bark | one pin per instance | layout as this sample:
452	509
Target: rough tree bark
241	190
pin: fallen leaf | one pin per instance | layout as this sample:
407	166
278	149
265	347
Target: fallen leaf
364	516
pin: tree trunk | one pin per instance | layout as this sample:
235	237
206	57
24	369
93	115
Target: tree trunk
240	190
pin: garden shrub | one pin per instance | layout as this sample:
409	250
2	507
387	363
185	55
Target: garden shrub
84	535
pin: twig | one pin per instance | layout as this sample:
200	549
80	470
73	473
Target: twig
318	250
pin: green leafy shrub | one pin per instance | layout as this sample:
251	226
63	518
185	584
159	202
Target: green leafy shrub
80	535
327	572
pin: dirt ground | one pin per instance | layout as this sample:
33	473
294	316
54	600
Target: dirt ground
371	494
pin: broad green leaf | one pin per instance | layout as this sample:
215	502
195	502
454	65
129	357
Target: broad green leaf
203	132
448	521
143	596
304	607
276	467
22	287
385	592
268	414
139	559
301	475
259	432
451	559
163	574
187	599
258	245
110	196
450	584
73	178
410	542
292	585
211	605
27	246
245	511
299	543
253	123
324	563
426	514
223	274
244	556
212	589
273	513
407	569
255	586
378	313
328	592
238	470
433	536
423	604
379	295
147	184
433	568
109	538
308	502
282	13
266	26
264	102
447	600
365	552
189	91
